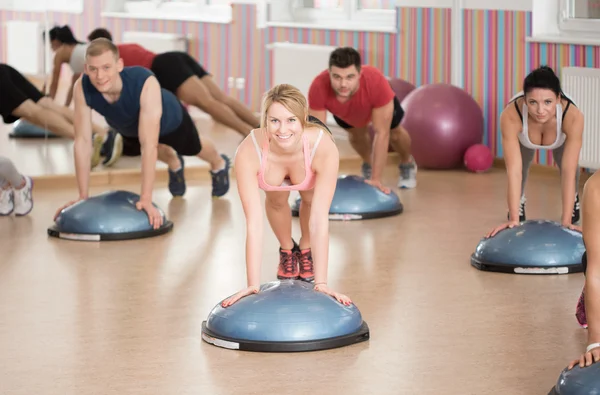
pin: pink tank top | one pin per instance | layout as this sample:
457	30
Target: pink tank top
309	179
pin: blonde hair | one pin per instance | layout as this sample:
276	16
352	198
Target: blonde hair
100	45
292	99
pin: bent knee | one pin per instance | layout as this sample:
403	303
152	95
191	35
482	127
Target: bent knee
278	200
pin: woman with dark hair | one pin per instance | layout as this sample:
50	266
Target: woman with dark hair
67	49
541	117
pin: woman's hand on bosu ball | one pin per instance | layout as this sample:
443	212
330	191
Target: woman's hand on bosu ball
586	359
343	299
253	289
509	224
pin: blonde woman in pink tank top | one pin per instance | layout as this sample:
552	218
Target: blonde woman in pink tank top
290	152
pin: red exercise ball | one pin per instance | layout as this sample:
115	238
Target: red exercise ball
401	88
478	158
443	121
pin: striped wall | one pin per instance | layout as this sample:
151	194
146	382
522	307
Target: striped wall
420	53
498	58
210	43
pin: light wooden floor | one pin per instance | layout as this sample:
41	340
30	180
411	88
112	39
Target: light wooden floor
125	317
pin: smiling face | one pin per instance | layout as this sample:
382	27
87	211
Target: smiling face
283	126
103	70
541	104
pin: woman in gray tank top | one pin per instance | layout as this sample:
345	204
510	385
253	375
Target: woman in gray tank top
67	49
542	117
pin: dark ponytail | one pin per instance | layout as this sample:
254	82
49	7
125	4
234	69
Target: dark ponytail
63	34
542	78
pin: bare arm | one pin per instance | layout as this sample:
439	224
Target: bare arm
246	167
321	115
512	156
149	129
58	61
570	164
83	140
591	235
382	118
327	160
70	93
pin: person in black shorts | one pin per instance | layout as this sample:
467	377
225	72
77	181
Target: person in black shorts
20	99
134	104
181	74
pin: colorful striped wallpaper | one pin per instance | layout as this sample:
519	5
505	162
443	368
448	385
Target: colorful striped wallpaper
420	53
497	57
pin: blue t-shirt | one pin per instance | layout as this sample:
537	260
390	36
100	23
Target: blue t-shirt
124	114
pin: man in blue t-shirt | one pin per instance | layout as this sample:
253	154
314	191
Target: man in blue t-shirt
134	104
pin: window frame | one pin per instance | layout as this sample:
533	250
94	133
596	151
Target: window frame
351	16
568	24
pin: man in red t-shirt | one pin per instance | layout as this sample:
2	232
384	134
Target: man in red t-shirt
357	96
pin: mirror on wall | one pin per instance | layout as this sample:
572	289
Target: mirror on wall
44	146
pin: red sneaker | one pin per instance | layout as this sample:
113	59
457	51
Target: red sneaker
288	265
305	261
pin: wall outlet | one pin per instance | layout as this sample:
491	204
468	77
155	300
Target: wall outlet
240	83
230	82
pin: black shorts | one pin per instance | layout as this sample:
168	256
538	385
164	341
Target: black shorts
15	89
318	122
185	139
172	69
396	118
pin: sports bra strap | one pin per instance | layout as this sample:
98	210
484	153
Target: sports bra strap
256	146
314	150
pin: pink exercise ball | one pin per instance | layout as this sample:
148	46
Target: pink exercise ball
478	158
401	88
443	121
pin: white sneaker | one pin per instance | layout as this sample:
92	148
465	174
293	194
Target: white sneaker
408	175
6	201
24	198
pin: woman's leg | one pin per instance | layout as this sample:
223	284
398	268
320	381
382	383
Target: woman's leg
69	114
9	173
194	92
16	189
558	156
279	215
45	118
527	155
305	261
241	110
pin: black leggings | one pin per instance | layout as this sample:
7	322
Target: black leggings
15	89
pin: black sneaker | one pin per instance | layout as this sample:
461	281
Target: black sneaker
576	214
522	216
177	179
220	179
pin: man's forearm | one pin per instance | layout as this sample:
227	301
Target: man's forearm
149	157
83	153
379	154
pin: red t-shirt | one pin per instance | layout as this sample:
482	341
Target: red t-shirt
374	91
136	55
